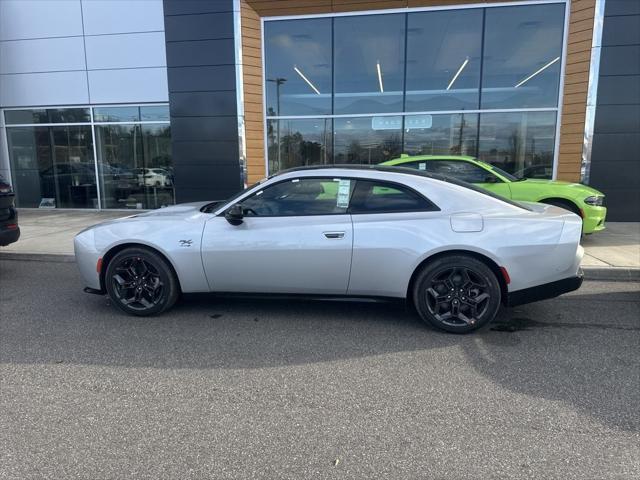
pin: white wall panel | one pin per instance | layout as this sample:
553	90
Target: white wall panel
123	86
45	55
126	51
55	88
21	19
120	16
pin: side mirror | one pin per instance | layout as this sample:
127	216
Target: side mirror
235	214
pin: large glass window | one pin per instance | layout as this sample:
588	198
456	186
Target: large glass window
298	67
443	60
134	163
369	63
53	167
452	134
419	83
369	140
520	143
297	143
522	56
53	164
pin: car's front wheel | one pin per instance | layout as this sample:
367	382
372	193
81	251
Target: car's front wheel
141	282
457	293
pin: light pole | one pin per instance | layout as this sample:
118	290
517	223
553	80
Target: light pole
278	81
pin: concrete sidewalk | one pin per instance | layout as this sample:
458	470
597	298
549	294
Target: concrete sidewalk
610	255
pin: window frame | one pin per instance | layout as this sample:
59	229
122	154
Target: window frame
315	177
431	207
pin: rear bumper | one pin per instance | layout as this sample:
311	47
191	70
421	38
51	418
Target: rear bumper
545	291
9	236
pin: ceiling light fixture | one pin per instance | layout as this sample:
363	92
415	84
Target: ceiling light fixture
380	77
455	77
537	72
306	80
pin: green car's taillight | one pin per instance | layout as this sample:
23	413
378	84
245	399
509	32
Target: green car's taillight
595	200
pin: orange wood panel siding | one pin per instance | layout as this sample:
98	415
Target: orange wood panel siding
576	71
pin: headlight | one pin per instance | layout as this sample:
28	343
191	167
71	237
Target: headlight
595	200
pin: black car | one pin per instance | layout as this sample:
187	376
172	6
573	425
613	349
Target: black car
9	230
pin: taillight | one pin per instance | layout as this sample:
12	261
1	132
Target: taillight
11	226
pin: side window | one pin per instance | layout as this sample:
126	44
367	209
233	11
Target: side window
462	170
303	196
372	196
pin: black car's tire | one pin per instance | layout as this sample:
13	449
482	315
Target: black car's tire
140	282
457	293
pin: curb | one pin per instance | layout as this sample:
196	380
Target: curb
38	257
614	274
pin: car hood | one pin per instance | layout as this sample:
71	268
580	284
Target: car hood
576	187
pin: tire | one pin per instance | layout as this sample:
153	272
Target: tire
566	204
457	293
140	282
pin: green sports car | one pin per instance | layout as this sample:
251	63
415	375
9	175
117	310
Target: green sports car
580	199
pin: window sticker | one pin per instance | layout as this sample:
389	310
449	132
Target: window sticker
344	189
422	166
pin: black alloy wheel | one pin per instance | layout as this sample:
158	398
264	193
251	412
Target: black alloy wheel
458	294
140	282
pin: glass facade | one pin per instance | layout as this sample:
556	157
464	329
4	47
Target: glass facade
365	88
51	152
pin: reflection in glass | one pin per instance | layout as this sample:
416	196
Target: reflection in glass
522	51
369	140
53	166
50	115
298	67
443	60
301	142
369	63
453	134
135	166
520	143
116	114
154	113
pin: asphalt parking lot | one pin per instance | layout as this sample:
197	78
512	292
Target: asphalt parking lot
237	388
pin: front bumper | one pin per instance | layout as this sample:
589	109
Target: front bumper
594	219
545	291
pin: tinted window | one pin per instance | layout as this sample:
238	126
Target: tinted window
465	171
308	196
382	197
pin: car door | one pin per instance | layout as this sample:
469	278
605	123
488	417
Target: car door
295	237
389	225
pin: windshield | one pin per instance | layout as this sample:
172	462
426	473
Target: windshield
210	207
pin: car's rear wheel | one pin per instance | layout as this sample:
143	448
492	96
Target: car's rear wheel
141	282
457	293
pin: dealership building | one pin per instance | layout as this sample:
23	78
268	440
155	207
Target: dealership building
136	104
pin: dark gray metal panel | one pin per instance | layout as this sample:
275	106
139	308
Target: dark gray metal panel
202	79
611	174
621	7
207	26
199	129
623	30
624	60
202	98
199	104
619	90
215	177
206	153
198	53
615	147
182	7
617	119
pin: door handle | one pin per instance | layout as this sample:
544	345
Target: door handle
334	234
